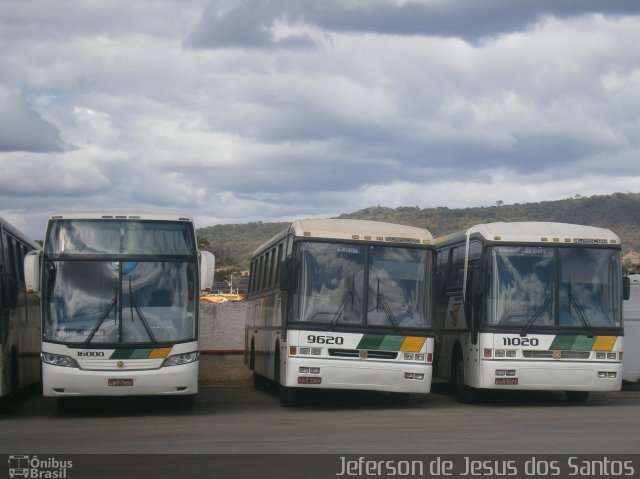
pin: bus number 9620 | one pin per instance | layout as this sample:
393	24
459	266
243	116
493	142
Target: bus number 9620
313	339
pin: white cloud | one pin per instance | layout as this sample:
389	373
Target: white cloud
293	109
23	129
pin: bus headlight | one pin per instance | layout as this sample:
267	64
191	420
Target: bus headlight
58	360
180	359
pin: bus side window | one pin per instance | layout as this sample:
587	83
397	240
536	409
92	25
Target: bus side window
473	294
456	268
442	265
10	286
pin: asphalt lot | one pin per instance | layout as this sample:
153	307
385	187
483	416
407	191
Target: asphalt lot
234	418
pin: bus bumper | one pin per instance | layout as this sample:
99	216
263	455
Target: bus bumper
551	376
359	375
60	381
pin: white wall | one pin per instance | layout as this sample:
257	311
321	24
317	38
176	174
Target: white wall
222	342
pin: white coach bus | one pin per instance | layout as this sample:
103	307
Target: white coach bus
119	297
529	306
19	319
342	304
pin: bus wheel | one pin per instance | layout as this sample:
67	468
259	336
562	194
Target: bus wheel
464	393
5	405
400	399
259	382
289	397
184	403
15	379
577	397
67	405
7	402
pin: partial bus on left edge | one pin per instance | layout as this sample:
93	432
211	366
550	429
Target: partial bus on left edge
19	318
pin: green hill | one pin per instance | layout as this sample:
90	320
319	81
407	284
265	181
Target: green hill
619	212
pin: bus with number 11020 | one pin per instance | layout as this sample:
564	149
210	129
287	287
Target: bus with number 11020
342	304
530	306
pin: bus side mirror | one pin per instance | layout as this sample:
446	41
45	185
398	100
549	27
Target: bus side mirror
207	270
32	271
626	288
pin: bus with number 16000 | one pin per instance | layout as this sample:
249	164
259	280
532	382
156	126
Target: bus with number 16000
120	294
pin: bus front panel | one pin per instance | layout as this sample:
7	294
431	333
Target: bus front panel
365	361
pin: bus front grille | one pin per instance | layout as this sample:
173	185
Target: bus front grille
550	354
364	354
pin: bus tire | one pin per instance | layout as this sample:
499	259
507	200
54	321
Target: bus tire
11	398
5	405
577	397
289	397
67	405
465	394
400	399
185	403
15	378
260	383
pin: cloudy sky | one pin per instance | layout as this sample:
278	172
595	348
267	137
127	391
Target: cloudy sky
245	110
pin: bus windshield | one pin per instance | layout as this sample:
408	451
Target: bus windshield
330	286
119	302
554	287
119	237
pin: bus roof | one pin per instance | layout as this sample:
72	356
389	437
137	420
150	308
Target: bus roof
347	229
537	232
121	215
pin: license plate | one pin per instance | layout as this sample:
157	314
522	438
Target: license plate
308	380
506	381
120	382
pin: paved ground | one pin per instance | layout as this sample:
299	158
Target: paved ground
234	418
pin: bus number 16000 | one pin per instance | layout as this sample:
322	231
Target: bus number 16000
313	339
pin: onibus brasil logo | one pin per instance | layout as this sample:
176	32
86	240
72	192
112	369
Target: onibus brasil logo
38	468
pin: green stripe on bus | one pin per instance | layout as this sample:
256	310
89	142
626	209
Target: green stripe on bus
573	342
381	342
563	342
140	353
583	343
122	354
392	343
370	341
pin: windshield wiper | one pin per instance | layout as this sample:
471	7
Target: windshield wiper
578	307
343	304
536	314
381	300
104	315
143	320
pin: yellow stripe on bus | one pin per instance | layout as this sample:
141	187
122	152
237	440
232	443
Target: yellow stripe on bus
158	353
604	343
412	344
